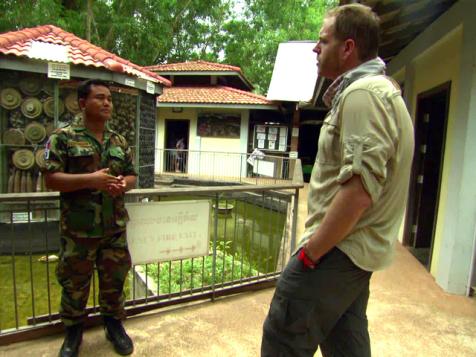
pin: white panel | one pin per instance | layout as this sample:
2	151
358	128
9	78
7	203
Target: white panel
265	168
163	231
48	52
295	72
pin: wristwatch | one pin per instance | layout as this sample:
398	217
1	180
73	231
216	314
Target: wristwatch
304	257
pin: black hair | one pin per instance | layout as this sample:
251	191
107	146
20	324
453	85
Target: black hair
84	87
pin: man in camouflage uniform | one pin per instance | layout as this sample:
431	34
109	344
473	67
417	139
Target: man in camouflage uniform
92	168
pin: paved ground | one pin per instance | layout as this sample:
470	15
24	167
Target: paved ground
409	315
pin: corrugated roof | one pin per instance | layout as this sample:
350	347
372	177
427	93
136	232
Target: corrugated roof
24	43
193	66
211	95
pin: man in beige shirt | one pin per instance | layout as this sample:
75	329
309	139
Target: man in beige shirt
357	198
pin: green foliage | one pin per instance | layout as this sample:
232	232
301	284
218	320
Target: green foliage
244	33
197	273
253	39
35	287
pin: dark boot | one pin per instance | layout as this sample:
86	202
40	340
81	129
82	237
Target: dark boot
117	335
72	340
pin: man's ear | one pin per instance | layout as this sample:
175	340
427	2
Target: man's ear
82	103
349	48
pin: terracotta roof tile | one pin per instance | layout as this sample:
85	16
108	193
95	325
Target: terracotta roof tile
211	95
81	52
193	66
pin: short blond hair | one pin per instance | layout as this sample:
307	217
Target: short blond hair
359	23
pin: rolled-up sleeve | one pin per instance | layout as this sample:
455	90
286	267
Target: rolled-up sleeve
129	169
55	154
367	141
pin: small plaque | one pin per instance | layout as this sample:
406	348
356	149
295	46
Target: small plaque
293	154
58	70
130	82
150	87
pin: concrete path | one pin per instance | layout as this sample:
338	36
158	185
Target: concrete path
409	315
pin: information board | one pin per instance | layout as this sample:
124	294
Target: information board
270	138
163	231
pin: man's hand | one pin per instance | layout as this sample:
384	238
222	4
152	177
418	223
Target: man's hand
102	180
117	188
346	208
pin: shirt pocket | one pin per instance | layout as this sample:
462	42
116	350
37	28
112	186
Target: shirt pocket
116	160
82	159
329	141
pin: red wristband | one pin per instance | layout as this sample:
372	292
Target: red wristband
306	260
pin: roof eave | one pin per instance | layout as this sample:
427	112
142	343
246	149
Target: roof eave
26	64
218	105
206	73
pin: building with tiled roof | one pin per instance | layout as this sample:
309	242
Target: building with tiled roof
40	69
198	72
219	95
211	106
51	43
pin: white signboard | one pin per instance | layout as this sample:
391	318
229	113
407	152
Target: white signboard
130	82
265	168
58	70
293	154
150	87
163	231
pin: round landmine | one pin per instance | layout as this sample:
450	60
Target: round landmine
71	102
49	107
10	98
13	136
23	159
30	85
31	107
35	132
40	158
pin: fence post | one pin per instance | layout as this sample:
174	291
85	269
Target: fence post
295	217
215	238
241	166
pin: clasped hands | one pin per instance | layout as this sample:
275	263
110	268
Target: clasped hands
104	181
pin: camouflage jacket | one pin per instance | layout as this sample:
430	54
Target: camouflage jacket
89	213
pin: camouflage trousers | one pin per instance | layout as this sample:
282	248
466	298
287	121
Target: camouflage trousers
75	269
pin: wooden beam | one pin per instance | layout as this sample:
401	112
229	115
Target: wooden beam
409	30
394	47
431	12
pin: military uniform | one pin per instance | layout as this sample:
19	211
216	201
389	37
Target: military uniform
92	223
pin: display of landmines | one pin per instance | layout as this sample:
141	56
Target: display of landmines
27	118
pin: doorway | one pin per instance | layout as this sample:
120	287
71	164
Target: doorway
307	144
430	134
176	145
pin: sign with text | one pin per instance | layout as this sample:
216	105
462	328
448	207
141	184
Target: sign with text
163	231
150	87
58	70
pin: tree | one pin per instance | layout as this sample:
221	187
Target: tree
252	41
148	32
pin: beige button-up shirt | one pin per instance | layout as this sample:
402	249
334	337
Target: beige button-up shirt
369	133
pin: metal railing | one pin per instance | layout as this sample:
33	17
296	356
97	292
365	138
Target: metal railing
251	230
224	166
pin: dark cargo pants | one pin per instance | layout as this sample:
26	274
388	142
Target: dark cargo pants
323	307
76	266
